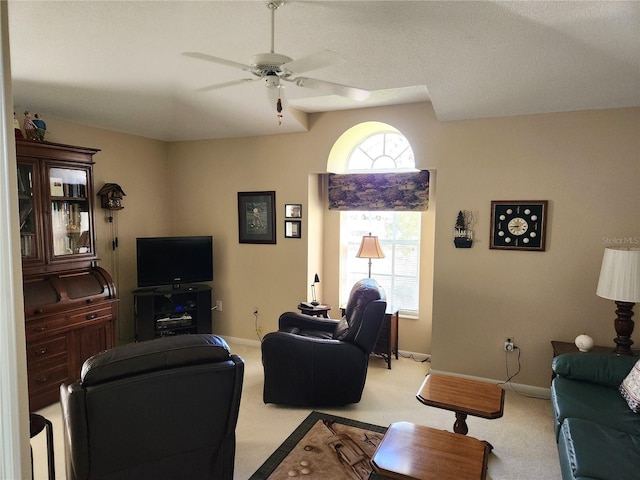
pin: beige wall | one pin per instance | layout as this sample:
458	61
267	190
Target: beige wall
587	164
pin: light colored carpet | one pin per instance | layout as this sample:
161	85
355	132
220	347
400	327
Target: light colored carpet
523	439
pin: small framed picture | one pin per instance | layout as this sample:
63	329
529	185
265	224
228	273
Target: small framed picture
293	210
292	229
257	217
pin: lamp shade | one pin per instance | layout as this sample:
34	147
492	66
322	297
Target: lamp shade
370	248
620	275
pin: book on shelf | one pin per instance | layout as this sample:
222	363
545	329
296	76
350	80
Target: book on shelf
56	187
24	215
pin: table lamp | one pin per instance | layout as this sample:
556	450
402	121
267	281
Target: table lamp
620	281
370	248
315	301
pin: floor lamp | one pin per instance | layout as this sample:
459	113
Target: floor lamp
370	248
620	281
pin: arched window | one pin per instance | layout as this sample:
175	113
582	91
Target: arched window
398	232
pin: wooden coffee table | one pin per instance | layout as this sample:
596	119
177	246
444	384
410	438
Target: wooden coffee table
410	451
462	396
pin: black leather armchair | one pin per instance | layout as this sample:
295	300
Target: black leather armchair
160	409
313	361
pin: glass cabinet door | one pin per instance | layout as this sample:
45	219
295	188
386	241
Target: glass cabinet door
26	205
69	211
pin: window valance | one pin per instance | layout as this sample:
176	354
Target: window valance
407	191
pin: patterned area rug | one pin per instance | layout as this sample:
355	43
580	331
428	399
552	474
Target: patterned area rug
325	447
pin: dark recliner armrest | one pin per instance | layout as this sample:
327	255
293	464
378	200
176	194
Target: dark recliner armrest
289	321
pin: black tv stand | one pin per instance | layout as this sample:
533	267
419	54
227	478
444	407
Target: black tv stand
165	311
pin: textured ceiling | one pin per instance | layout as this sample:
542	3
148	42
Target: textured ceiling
118	64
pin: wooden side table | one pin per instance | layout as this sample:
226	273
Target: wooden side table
410	451
463	396
560	348
320	310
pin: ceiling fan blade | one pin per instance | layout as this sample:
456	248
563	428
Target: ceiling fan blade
221	61
335	88
321	59
227	84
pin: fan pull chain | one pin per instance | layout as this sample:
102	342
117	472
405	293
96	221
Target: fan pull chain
279	109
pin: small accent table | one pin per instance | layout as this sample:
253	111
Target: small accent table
37	423
410	451
464	397
320	310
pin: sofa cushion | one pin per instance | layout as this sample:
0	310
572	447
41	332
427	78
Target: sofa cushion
605	405
590	450
630	388
600	368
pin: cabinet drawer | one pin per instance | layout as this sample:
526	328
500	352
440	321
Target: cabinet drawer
36	329
90	315
46	349
46	378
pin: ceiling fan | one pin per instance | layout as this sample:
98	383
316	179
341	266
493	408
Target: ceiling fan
274	68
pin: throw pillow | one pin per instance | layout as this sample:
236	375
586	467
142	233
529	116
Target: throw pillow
630	388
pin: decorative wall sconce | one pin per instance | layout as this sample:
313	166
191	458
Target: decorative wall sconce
463	232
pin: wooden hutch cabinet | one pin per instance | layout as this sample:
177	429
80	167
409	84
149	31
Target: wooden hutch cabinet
70	303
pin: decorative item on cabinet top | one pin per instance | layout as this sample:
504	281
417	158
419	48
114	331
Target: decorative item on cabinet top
111	196
463	232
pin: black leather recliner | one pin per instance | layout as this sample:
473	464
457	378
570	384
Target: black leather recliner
160	409
313	361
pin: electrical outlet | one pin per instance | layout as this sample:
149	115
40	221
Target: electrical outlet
219	305
509	345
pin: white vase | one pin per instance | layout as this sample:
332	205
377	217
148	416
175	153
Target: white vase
584	342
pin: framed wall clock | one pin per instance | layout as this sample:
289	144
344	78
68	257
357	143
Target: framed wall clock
518	225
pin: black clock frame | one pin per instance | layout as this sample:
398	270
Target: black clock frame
503	211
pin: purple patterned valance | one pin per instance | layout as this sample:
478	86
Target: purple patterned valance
407	191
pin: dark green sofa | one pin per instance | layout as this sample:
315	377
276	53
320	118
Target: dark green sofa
597	433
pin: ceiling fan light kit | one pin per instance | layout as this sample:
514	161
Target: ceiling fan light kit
273	67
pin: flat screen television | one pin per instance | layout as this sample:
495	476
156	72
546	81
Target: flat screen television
174	260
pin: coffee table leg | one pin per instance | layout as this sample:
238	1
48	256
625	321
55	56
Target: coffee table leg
461	423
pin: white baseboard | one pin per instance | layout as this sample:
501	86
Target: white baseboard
526	390
424	357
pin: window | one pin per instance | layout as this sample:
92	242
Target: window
398	232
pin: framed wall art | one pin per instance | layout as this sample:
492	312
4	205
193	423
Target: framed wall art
257	217
292	229
518	224
293	210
